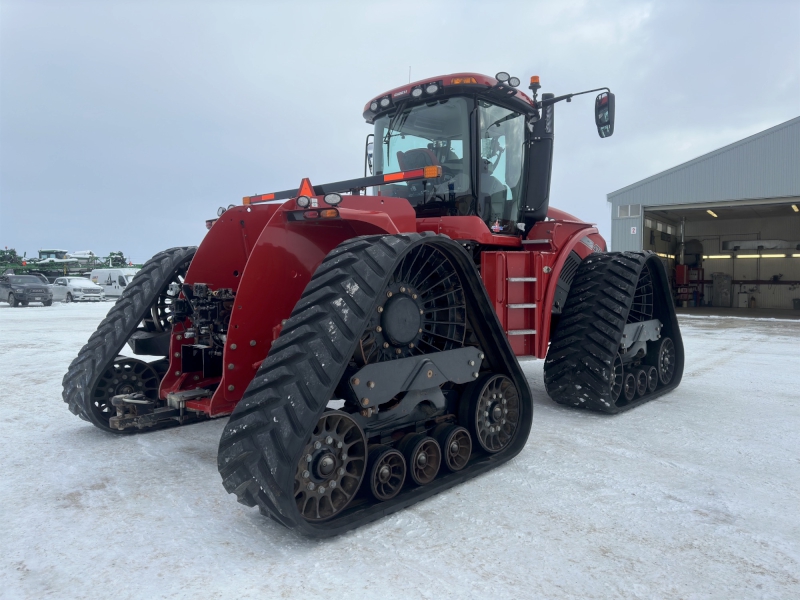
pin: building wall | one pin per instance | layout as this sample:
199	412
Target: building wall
764	165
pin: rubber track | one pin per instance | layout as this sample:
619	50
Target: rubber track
115	330
266	433
577	369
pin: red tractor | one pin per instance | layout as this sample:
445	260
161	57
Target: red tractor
366	346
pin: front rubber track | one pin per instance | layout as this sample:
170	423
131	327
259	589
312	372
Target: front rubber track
265	436
114	331
578	366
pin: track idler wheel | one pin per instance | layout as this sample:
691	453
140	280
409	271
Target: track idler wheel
387	472
456	445
491	412
423	455
122	377
331	468
665	361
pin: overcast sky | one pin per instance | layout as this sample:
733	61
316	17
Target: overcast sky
124	125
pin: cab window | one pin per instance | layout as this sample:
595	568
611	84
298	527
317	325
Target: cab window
502	139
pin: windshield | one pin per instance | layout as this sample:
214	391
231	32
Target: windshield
78	280
434	134
128	278
502	137
24	279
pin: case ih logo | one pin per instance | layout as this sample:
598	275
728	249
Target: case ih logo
497	227
591	245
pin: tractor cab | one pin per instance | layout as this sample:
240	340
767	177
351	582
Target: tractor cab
493	143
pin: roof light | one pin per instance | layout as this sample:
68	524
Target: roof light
718	256
416	92
374	106
462	80
794	208
514	81
712	213
385	102
773	256
230	206
431	88
534	79
311	214
329	213
332	199
220	211
748	256
502	77
303	201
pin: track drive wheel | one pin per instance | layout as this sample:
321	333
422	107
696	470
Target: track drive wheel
387	472
423	456
331	468
492	412
456	445
89	380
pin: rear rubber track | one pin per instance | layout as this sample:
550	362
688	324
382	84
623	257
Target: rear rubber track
115	330
263	440
578	367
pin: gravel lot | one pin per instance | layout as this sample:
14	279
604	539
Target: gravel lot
693	495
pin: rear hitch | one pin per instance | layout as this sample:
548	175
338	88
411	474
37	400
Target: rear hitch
137	411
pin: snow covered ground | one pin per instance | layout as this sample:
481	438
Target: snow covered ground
694	495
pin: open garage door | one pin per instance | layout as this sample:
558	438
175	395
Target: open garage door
743	253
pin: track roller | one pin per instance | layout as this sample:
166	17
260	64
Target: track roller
387	472
423	456
456	445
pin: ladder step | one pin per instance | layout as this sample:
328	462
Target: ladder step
521	305
521	332
521	279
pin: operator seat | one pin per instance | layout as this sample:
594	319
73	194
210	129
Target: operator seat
417	158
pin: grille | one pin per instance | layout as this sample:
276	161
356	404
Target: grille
36	291
90	291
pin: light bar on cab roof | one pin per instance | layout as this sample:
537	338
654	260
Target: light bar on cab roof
351	185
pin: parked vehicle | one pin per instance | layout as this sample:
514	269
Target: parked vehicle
19	290
77	289
113	281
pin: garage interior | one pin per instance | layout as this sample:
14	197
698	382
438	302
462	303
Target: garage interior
738	255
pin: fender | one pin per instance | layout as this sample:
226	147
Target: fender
282	262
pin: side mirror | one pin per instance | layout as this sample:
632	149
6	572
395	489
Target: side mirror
604	114
369	146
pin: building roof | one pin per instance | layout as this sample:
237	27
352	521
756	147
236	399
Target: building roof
763	165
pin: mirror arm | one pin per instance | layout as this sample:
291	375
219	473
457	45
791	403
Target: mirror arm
568	97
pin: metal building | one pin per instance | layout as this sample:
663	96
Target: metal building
738	208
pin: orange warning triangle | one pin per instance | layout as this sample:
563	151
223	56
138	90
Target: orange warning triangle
306	188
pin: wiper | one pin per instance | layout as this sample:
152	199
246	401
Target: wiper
506	118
